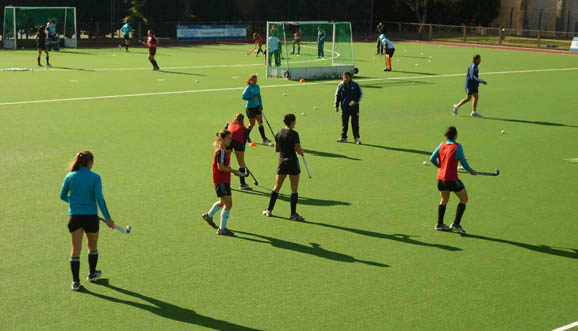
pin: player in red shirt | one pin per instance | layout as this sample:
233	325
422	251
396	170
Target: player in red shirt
152	44
258	40
449	153
297	41
239	138
222	181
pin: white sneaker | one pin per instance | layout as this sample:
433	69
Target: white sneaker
456	108
357	141
342	140
475	114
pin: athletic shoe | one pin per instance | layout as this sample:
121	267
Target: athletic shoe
357	141
209	220
156	69
442	227
342	140
75	286
386	69
266	141
456	108
245	187
225	232
267	213
48	65
120	47
296	217
249	140
93	277
475	114
457	228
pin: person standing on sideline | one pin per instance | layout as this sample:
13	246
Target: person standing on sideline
320	42
380	28
254	107
274	48
126	32
82	190
52	37
449	153
222	181
152	43
348	95
288	146
297	41
239	138
41	45
472	84
389	51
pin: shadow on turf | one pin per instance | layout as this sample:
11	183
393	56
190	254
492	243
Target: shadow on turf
404	238
164	309
73	69
395	82
314	249
179	73
327	154
302	200
406	150
537	248
528	122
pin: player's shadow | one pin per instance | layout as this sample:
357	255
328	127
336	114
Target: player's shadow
328	154
302	200
164	309
398	149
397	82
72	69
179	73
528	122
399	237
571	253
315	249
78	52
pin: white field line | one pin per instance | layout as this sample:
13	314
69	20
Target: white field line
274	86
566	327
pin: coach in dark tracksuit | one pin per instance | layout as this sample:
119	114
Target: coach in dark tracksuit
349	95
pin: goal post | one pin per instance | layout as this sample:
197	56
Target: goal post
21	23
309	49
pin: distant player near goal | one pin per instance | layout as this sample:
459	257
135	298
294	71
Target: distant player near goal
449	154
297	41
472	84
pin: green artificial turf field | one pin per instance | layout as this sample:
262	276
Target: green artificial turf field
367	256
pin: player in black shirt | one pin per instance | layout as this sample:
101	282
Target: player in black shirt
288	145
41	44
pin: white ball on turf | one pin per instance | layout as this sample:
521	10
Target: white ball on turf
284	94
196	81
503	131
315	108
302	114
424	163
271	145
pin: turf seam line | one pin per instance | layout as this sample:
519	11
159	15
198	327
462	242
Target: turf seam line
272	86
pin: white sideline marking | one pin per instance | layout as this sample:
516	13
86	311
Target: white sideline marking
566	327
273	86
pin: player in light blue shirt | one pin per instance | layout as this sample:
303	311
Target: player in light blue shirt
52	36
320	42
274	48
389	51
126	34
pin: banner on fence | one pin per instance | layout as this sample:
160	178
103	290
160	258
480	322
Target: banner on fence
574	46
211	32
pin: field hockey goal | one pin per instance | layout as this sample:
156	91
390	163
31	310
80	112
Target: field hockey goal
309	50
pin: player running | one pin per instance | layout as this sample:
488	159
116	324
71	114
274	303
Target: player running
288	146
222	181
389	50
126	32
152	43
41	45
258	40
238	130
449	153
82	190
254	107
472	84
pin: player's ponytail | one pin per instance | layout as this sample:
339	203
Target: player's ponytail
82	159
250	79
239	118
221	135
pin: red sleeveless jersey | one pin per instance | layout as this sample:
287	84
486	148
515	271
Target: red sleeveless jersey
237	131
220	177
448	169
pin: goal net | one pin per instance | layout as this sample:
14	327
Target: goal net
21	24
309	50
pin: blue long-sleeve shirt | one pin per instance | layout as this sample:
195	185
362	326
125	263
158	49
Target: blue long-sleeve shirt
82	189
321	36
459	154
250	92
125	29
346	93
472	80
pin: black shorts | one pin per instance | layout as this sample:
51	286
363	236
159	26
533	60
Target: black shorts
451	185
90	223
390	52
153	51
51	37
126	37
223	189
237	146
288	167
253	112
470	91
41	46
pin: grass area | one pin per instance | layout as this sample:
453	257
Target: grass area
366	258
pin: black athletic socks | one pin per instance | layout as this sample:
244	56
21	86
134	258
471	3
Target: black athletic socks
272	200
441	213
47	62
248	133
154	63
242	170
262	131
75	268
38	59
459	213
92	261
294	198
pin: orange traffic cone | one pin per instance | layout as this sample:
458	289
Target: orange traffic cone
302	80
252	144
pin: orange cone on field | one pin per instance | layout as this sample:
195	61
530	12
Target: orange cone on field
252	144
